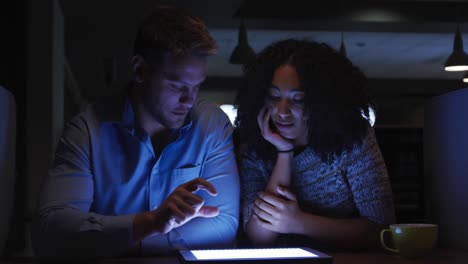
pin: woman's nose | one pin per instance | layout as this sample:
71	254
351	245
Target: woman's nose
283	108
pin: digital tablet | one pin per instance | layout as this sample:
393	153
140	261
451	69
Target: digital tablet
257	256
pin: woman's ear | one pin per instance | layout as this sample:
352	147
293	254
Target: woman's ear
138	68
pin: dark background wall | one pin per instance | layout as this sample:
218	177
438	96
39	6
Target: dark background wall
13	58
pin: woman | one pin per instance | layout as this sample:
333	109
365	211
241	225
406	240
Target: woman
311	168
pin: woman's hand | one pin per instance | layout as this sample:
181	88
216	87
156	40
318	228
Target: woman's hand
278	213
276	139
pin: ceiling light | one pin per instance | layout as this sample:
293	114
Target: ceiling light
458	60
465	78
242	53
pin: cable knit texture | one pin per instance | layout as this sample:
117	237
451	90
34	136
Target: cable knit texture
354	184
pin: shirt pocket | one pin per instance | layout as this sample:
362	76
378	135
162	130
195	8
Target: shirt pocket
184	174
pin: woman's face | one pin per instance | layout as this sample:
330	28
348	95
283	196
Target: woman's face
286	100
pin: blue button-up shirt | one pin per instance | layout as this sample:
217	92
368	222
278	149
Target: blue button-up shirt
105	171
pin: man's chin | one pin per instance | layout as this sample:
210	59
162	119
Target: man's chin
177	123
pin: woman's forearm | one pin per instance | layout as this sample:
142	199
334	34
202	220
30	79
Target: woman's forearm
258	235
281	176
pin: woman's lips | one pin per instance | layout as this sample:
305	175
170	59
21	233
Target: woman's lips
282	126
180	113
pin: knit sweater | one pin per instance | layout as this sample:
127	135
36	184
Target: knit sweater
354	184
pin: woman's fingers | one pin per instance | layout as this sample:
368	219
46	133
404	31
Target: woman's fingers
270	198
264	206
266	122
262	214
286	193
260	118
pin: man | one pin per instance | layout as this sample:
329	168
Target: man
153	171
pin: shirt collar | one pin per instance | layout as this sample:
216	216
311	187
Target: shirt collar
127	115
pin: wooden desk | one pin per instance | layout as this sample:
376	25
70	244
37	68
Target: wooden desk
440	256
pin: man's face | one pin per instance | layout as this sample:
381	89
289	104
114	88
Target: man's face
172	88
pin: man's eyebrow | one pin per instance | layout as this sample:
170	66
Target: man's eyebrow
171	77
175	78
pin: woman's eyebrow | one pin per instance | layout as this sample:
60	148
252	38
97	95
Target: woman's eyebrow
274	87
292	90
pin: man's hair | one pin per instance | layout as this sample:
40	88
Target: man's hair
174	30
335	97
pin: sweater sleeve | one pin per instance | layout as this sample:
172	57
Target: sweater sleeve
368	179
253	180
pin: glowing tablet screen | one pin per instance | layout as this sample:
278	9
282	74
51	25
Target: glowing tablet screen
265	253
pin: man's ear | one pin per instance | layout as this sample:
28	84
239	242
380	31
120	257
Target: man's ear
138	68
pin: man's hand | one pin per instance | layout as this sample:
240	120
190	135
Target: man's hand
279	213
180	207
263	120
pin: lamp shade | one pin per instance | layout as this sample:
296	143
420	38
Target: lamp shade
458	60
242	53
343	47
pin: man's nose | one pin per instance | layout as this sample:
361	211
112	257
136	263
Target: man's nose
188	98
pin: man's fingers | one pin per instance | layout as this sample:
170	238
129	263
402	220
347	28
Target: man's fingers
207	211
176	213
192	199
199	183
186	208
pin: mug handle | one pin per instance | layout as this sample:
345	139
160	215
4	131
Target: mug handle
382	241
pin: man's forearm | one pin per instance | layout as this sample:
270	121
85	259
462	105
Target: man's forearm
143	226
65	232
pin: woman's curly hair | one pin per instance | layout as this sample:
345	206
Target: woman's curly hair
335	100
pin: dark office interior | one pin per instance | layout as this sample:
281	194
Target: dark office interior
57	56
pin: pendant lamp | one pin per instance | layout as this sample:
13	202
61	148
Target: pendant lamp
342	47
242	53
458	60
465	78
